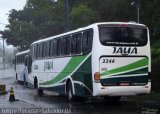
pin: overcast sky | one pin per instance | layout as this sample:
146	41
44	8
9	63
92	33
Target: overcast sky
6	6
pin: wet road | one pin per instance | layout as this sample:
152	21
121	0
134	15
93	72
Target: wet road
28	99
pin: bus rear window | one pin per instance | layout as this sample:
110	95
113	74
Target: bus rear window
123	36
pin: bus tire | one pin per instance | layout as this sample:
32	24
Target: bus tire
40	92
24	82
35	83
69	92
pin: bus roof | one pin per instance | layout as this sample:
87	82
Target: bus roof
84	28
22	52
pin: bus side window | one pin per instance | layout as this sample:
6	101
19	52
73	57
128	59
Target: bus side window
31	51
73	44
55	47
76	43
68	45
18	59
52	48
44	50
58	46
40	50
63	45
21	59
79	43
26	60
49	48
87	41
35	51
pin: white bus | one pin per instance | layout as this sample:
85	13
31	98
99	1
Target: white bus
21	66
103	59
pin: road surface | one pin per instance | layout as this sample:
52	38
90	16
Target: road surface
29	102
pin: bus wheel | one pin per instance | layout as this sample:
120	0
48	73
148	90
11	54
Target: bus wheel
40	92
35	83
69	92
24	82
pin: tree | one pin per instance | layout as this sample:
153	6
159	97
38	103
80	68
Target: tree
156	20
81	16
44	18
37	20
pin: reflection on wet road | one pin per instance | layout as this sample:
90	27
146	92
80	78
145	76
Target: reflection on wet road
28	99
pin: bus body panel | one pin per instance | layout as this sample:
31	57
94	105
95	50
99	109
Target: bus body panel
116	71
20	68
54	72
121	90
20	72
132	54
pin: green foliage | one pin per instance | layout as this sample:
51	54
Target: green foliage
155	66
44	18
156	75
37	20
150	15
81	16
156	19
19	31
113	10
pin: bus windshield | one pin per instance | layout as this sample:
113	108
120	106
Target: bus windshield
123	36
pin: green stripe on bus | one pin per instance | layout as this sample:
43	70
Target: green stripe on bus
139	71
68	69
137	64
